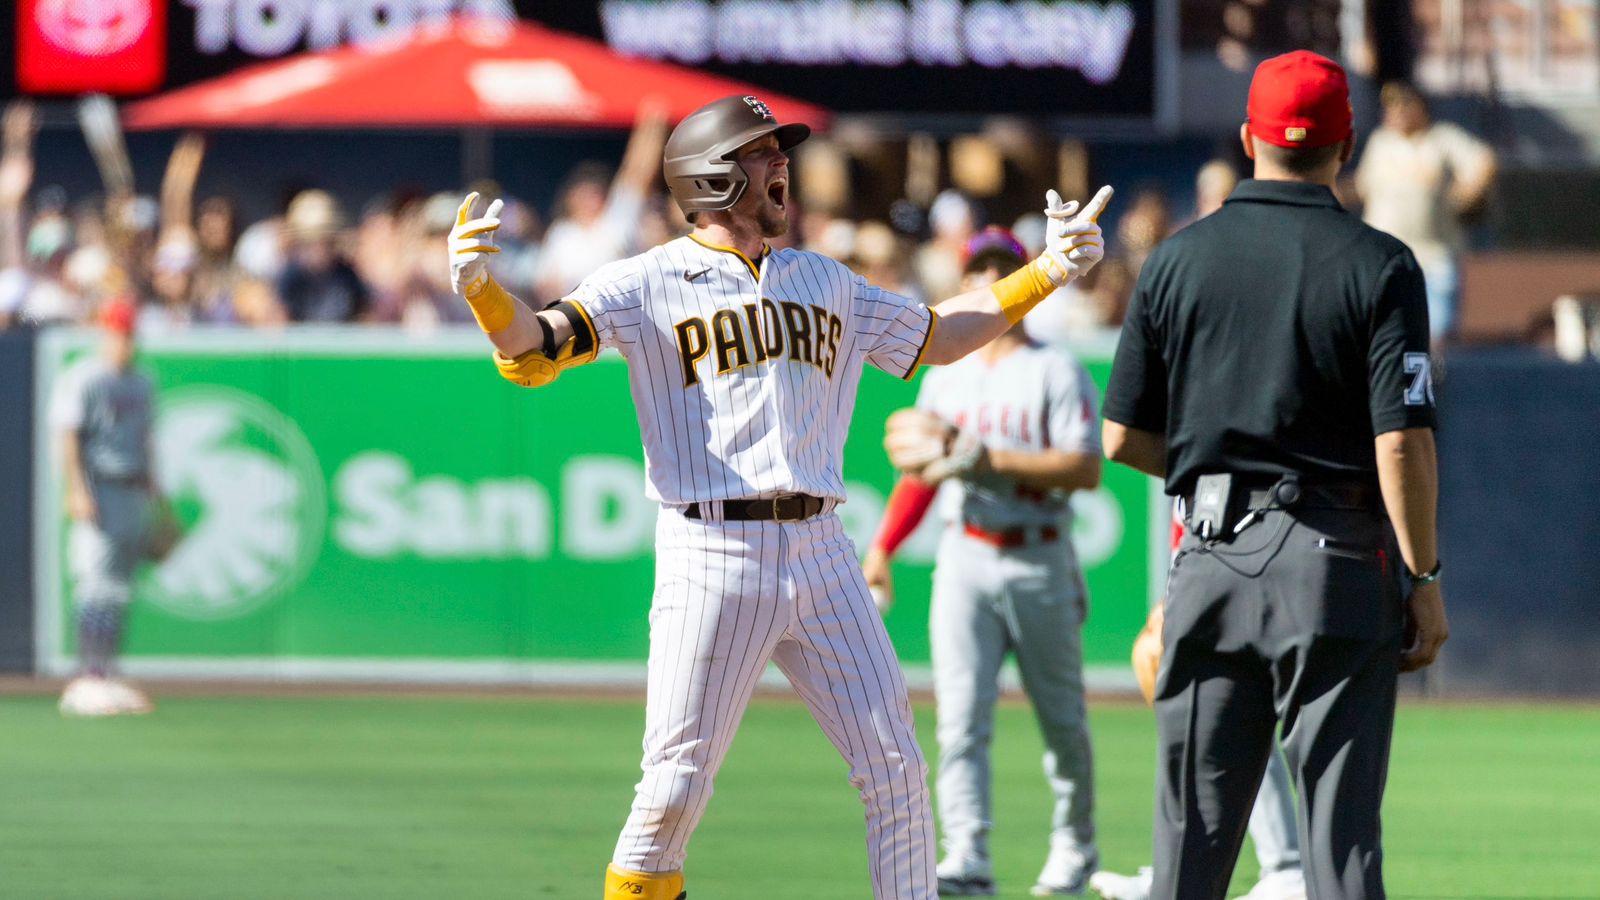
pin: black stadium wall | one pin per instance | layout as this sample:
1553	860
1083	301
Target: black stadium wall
1519	460
1519	450
16	501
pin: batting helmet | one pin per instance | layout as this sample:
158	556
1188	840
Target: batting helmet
698	160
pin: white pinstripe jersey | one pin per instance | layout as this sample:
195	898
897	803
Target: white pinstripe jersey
744	376
1033	398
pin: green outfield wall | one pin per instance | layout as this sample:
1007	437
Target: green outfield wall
373	504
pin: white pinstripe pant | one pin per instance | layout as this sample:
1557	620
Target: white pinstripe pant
730	596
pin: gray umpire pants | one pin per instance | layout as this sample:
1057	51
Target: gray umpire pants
1272	819
1297	622
988	601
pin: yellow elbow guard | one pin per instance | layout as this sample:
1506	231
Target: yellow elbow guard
538	367
491	305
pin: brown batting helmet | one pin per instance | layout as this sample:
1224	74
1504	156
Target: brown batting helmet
698	161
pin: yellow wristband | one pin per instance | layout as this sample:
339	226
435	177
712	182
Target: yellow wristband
491	305
1022	290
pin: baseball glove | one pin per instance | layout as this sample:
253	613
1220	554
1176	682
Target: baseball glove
162	531
922	444
1147	654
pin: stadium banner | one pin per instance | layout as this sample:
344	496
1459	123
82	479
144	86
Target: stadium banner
377	505
1077	61
1102	60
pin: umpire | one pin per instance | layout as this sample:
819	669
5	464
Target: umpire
1274	369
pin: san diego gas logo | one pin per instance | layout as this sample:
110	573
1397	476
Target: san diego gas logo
250	493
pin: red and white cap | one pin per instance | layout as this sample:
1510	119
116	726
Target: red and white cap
1299	99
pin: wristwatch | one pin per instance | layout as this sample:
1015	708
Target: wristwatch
1428	577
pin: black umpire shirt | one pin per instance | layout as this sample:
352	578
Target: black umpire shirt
1275	336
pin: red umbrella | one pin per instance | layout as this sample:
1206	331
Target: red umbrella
459	74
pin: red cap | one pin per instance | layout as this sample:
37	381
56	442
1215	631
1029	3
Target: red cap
119	315
1299	99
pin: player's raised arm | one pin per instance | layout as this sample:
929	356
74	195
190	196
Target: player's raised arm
1073	244
532	348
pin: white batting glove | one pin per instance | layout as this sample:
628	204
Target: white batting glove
471	242
1073	242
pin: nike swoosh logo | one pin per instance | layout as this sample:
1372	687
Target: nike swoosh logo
690	276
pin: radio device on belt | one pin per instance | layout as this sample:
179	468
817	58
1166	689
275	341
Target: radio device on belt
1223	509
1213	495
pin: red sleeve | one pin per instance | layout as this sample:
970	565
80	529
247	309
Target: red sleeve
907	505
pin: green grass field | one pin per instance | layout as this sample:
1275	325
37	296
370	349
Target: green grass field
445	797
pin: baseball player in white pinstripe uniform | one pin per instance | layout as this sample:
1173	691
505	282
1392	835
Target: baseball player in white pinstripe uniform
744	363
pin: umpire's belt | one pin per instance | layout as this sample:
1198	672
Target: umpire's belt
1326	495
1278	494
782	508
1012	537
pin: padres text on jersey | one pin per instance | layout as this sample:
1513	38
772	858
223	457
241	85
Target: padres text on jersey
744	374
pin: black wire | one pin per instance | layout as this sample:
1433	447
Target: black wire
1213	546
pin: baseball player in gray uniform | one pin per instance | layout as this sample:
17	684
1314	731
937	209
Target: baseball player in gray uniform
1014	434
744	363
102	410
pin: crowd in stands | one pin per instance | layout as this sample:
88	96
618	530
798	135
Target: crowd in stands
186	262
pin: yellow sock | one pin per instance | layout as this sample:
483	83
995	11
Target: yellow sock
624	885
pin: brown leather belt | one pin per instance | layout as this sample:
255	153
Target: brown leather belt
1012	537
782	508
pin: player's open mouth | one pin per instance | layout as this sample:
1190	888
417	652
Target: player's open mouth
778	191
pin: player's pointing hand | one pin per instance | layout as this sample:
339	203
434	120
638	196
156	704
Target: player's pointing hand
1073	241
471	242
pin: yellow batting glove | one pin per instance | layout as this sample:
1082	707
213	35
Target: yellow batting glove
1073	244
471	242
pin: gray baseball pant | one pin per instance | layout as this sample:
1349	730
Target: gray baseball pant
102	555
988	601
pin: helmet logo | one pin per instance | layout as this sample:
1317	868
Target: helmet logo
759	107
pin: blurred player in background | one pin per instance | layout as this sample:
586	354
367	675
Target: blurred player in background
744	362
103	410
1418	179
1272	825
1013	428
600	216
